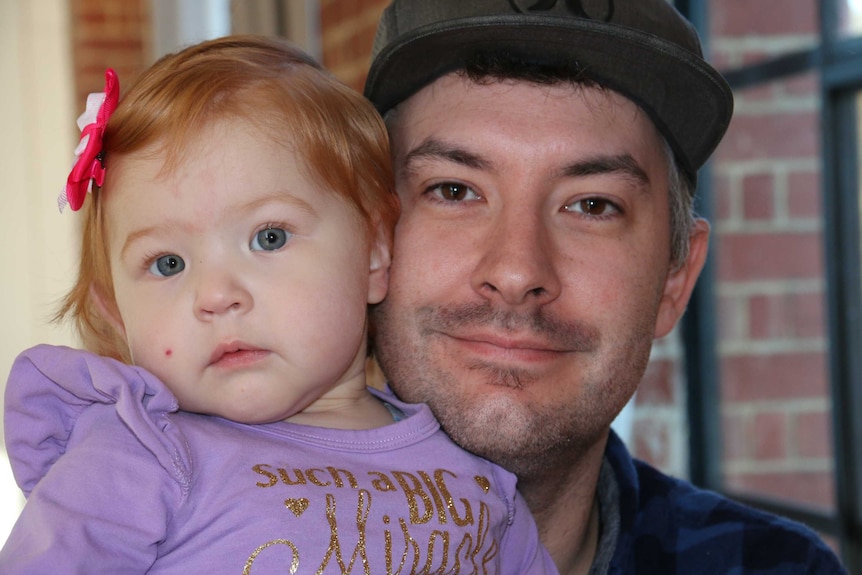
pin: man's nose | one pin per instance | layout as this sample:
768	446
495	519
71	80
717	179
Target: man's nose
517	264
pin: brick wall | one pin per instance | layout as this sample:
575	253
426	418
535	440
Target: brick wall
660	431
108	33
767	198
348	28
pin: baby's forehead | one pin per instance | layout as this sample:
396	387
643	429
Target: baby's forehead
213	141
229	165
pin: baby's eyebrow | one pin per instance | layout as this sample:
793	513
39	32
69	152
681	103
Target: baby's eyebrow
166	227
137	235
280	197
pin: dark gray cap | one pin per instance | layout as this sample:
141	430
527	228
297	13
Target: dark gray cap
643	49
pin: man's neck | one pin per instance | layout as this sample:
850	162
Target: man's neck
564	504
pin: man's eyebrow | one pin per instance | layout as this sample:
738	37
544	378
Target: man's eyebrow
434	149
622	164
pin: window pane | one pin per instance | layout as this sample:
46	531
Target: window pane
775	402
859	148
849	17
743	32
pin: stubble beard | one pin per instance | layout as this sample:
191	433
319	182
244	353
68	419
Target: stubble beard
531	439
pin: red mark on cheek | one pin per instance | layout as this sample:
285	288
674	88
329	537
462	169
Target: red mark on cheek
169	352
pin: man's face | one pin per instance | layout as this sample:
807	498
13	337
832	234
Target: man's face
531	263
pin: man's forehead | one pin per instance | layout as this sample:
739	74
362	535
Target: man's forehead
562	130
457	101
452	89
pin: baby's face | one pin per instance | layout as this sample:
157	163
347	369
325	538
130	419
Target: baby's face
240	282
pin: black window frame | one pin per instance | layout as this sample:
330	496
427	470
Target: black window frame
838	63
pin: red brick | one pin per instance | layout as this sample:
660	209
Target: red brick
762	18
736	437
721	198
776	376
803	85
769	436
760	317
108	33
365	40
791	315
356	22
756	93
732	318
331	14
795	86
718	58
803	195
359	81
812	434
758	197
761	256
656	387
780	135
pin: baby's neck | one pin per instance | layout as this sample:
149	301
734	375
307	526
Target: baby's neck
357	412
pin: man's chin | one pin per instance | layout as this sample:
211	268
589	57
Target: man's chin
490	423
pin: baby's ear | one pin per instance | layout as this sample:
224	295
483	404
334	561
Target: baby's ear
380	259
107	308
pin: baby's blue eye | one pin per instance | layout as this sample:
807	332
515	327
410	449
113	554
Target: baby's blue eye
269	239
167	266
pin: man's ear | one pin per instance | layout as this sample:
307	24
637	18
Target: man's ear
680	282
381	258
107	308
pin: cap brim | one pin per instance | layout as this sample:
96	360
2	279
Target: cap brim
689	102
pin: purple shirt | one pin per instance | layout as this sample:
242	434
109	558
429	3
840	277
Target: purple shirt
119	481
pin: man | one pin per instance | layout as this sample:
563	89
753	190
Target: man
546	154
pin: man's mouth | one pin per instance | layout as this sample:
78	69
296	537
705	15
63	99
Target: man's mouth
518	349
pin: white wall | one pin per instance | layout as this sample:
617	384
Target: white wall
38	137
178	23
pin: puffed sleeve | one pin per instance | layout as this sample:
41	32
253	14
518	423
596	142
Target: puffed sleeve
93	446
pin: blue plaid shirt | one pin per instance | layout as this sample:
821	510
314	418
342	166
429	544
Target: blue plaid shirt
669	527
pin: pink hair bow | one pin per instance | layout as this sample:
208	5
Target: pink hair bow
89	167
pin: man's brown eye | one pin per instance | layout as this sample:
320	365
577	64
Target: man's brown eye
594	206
453	192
